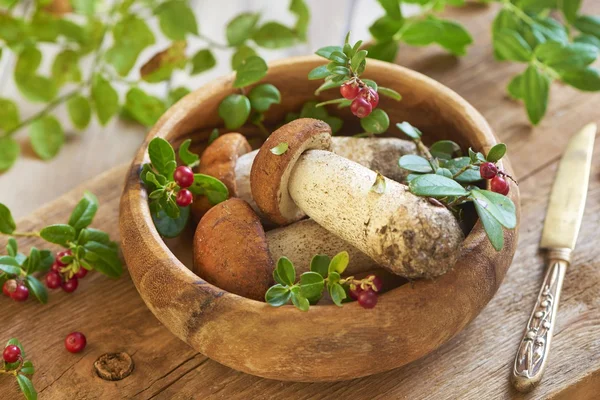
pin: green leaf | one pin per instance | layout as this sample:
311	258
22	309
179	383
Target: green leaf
27	368
499	206
320	265
298	299
171	227
241	28
414	163
310	110
514	87
387	92
588	39
339	263
104	259
34	87
444	172
587	79
432	185
392	8
496	152
492	227
263	96
46	260
80	111
285	273
38	290
12	247
46	136
84	7
84	212
311	286
59	234
280	149
444	149
234	110
455	165
213	135
105	99
162	156
28	61
274	35
186	156
385	28
252	70
337	293
211	187
177	94
409	130
302	12
562	56
589	24
26	387
376	122
12	30
131	36
535	86
327	51
241	54
9	115
66	67
319	72
9	151
32	263
278	295
162	65
144	108
95	235
9	265
7	223
450	35
203	61
510	45
176	19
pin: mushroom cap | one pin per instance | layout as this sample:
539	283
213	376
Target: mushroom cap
231	251
270	173
219	160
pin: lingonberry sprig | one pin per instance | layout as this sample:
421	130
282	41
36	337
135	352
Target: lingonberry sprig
324	274
442	174
14	363
344	70
171	188
85	249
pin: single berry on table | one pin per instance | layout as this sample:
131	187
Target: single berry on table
60	255
488	170
53	280
184	176
71	285
499	185
361	107
21	293
9	287
81	273
367	299
371	95
349	90
75	342
184	198
354	293
11	353
377	282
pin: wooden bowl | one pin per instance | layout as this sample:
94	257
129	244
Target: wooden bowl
327	343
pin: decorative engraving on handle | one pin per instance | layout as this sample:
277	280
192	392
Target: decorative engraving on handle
532	354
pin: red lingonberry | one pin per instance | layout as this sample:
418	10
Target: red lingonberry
184	176
377	282
367	299
184	198
349	90
81	273
361	107
9	287
56	267
53	280
21	293
60	255
11	353
500	185
75	342
371	95
354	293
71	285
488	170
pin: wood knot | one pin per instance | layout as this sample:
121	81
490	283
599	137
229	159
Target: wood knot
114	366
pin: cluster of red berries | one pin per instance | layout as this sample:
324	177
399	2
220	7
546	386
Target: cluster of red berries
184	177
366	293
499	184
55	279
16	290
364	99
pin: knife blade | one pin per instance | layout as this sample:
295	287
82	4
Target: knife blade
561	227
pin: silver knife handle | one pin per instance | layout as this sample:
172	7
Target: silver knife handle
535	346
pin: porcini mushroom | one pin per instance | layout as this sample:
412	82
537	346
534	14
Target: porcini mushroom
229	159
400	231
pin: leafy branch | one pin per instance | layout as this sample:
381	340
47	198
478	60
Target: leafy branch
20	368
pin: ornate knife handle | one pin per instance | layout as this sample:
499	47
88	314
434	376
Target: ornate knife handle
535	346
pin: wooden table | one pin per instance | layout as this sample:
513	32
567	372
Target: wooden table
474	365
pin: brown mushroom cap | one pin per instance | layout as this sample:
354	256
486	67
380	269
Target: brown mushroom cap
219	160
231	251
270	173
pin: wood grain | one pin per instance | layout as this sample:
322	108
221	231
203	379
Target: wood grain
474	365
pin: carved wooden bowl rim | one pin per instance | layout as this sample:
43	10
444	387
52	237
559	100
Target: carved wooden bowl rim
327	343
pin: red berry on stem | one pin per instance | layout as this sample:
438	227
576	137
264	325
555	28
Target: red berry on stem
21	293
361	107
377	282
75	342
349	90
500	185
53	280
184	198
367	299
372	96
81	273
60	255
9	287
70	285
56	267
488	170
354	293
11	353
184	176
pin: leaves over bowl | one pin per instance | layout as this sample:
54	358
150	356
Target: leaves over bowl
324	343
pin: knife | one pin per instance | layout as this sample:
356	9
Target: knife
563	219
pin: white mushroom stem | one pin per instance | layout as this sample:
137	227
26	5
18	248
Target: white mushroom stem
304	239
377	154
